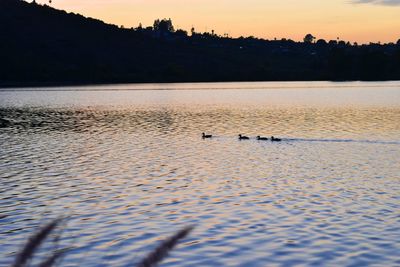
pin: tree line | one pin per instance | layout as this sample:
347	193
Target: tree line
41	45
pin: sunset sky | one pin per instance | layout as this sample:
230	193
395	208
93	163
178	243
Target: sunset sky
351	20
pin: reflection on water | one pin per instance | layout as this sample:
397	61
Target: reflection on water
130	168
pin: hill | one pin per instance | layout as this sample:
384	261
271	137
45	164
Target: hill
41	45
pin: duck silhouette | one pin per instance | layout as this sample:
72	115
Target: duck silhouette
273	139
242	137
262	138
4	123
206	136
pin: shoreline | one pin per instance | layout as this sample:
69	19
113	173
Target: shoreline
11	85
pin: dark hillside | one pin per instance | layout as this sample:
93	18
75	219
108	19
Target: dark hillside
41	45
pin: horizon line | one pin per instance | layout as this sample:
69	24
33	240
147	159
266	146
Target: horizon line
226	34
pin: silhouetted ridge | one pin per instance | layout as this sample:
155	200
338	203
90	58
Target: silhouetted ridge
41	45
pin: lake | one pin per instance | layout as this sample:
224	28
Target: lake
128	166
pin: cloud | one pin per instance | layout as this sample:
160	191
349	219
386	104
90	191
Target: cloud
378	2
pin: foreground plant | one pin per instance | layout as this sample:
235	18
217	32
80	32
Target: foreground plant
155	257
33	244
26	255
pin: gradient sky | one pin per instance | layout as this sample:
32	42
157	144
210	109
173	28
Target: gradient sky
351	20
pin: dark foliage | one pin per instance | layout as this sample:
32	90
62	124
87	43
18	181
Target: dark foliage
41	45
27	253
309	38
155	257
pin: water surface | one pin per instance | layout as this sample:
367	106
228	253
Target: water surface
127	164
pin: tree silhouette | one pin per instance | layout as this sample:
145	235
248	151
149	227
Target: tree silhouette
309	38
163	26
332	42
87	50
181	33
321	42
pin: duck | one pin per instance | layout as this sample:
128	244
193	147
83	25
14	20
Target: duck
273	139
205	136
262	138
4	123
242	137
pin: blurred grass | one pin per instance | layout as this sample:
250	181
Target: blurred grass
27	253
158	254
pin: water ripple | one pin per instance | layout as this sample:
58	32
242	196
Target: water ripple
127	177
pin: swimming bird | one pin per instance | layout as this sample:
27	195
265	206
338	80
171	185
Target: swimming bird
262	138
242	137
5	123
205	136
273	139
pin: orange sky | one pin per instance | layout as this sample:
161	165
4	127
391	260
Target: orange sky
328	19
